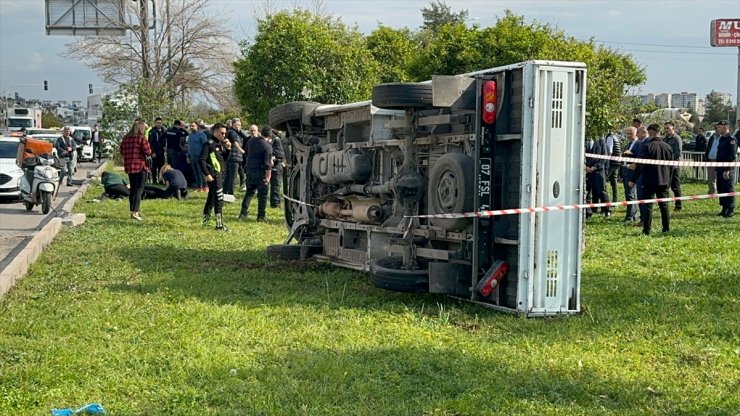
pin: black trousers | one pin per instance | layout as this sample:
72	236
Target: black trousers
255	185
276	179
157	163
658	191
215	200
676	184
96	150
136	181
117	191
597	182
611	177
724	186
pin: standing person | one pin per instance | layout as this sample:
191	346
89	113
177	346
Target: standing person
135	149
211	161
235	159
636	123
259	171
97	141
645	136
674	140
700	141
276	176
596	176
175	138
726	152
710	155
65	147
613	148
252	133
157	143
655	179
630	192
196	141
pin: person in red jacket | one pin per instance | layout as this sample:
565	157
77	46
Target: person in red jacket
135	149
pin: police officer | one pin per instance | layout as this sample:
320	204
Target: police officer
259	172
211	162
726	152
656	179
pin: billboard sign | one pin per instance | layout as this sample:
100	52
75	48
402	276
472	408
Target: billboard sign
85	17
725	32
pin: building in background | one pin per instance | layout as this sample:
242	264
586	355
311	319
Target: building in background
663	100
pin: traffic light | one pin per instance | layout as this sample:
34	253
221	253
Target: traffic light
89	87
46	85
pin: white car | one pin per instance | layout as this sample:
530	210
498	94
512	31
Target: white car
83	138
10	173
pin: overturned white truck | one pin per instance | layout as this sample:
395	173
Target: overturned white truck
364	178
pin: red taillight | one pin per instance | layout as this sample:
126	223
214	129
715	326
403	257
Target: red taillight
489	102
491	279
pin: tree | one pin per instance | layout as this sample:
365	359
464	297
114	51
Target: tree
298	55
49	120
456	48
393	49
717	108
439	14
182	56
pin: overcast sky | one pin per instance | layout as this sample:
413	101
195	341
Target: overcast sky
669	38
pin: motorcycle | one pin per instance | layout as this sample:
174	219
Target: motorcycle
40	183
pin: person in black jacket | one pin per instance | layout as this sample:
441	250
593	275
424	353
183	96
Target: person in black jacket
259	171
655	179
596	175
276	178
700	141
157	142
676	143
726	152
211	162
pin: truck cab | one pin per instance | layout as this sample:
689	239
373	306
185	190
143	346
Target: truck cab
409	186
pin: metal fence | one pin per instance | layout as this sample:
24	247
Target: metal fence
699	173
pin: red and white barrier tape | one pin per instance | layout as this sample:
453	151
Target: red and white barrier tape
517	211
680	163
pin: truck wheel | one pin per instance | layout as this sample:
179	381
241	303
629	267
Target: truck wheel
45	202
451	190
291	251
279	116
29	206
399	95
386	273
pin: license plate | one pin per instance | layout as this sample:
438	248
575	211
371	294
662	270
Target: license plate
484	184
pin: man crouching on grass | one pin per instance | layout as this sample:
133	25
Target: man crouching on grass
211	162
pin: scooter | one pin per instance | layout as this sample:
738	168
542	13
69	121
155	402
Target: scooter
40	183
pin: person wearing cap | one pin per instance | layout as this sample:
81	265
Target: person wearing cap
655	179
726	152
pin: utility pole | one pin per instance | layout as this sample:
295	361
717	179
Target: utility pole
144	28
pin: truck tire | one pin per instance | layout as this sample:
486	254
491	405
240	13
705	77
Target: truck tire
281	115
451	190
400	95
292	251
386	273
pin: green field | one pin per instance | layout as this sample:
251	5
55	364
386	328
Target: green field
168	318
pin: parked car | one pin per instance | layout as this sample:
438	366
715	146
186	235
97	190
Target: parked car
10	172
380	185
83	137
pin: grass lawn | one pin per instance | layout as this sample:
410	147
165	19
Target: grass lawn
168	318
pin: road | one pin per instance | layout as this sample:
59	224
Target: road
17	226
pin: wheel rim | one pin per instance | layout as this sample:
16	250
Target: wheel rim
447	192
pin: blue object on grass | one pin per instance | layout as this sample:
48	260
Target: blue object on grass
88	409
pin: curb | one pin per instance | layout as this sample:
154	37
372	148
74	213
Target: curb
19	266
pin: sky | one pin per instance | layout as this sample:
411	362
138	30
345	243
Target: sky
670	39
